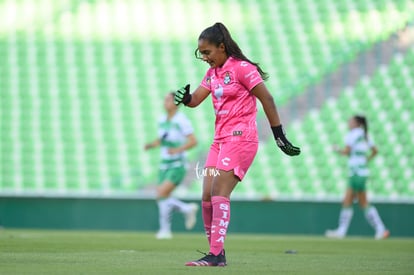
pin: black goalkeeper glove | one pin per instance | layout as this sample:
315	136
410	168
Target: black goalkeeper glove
283	143
182	95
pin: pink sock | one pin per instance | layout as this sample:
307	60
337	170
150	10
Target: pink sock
221	219
207	211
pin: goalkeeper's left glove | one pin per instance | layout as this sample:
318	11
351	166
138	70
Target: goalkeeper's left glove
283	143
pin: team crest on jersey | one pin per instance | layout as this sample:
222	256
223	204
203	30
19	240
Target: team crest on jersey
208	80
227	78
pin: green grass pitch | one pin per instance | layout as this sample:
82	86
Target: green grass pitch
108	252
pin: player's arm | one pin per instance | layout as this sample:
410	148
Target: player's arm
268	103
343	151
190	143
184	96
374	152
153	144
269	107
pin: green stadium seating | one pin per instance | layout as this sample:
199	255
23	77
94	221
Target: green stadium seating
390	114
76	111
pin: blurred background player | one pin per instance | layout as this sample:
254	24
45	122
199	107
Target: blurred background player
234	83
360	149
175	137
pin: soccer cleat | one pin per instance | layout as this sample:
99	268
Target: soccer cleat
210	260
222	257
163	235
334	234
191	216
381	235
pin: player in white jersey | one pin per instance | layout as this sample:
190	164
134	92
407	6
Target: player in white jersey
175	137
360	149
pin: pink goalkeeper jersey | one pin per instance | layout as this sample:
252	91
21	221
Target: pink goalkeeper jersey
234	105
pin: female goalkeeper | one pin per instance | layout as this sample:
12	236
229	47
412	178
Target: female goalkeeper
234	83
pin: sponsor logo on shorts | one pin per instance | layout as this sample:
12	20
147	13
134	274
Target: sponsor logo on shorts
225	161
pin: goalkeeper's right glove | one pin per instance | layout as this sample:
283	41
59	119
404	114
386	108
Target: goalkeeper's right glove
182	95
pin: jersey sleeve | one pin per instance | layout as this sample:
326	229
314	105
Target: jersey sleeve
349	139
161	131
185	125
206	82
371	142
248	75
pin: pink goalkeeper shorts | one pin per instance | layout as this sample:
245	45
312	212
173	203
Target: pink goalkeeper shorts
236	156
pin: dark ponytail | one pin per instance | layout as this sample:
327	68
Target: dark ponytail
362	121
218	34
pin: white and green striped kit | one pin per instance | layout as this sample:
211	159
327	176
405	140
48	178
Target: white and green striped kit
360	147
173	133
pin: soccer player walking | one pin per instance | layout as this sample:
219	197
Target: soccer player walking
234	83
360	149
175	137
